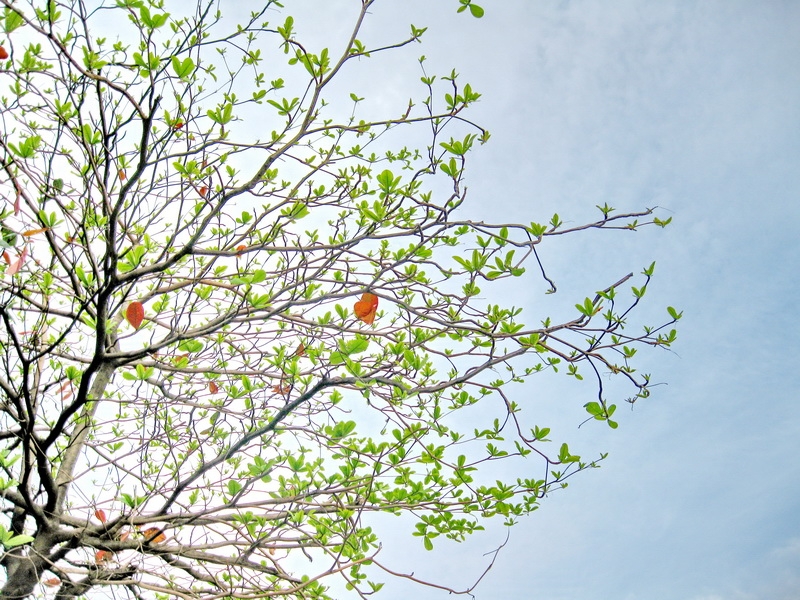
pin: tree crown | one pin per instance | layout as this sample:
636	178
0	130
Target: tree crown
239	316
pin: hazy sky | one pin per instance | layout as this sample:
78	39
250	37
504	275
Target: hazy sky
694	107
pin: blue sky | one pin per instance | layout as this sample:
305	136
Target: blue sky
694	107
690	106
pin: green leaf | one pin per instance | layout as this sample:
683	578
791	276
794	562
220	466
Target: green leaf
593	408
674	313
190	346
476	11
132	501
587	308
18	540
662	223
152	21
183	68
28	147
388	182
354	346
12	20
343	429
234	487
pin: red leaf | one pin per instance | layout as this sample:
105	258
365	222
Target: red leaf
3	53
52	582
14	267
66	394
154	535
100	515
102	556
281	388
213	387
177	125
135	314
366	308
203	191
6	257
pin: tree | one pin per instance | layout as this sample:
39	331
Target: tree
227	347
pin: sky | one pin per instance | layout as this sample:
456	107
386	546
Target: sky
693	107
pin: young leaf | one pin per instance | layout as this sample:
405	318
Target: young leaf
674	313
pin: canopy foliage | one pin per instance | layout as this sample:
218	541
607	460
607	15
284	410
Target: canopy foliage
239	316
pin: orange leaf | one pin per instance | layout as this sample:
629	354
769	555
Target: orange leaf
135	314
3	53
301	349
177	125
6	257
366	308
203	191
52	582
154	535
31	232
14	267
124	535
122	175
240	248
281	389
213	387
100	515
102	556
